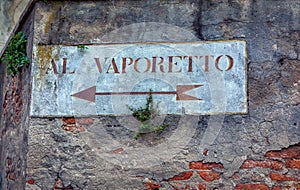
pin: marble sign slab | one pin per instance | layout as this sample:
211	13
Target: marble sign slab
184	78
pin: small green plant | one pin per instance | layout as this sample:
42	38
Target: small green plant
147	128
15	54
82	47
145	114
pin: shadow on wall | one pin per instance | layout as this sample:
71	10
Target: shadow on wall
2	72
0	181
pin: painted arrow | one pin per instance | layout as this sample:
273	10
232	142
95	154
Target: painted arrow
90	93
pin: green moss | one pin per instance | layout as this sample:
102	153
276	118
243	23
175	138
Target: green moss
49	22
15	55
44	55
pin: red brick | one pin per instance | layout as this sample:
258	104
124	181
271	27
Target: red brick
279	177
294	164
235	177
297	185
251	187
58	184
209	175
69	120
117	151
4	105
186	187
291	152
204	166
277	165
9	162
182	176
30	181
73	128
152	186
176	187
205	152
12	176
85	121
276	188
202	187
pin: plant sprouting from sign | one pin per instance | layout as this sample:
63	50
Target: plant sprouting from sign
82	47
144	115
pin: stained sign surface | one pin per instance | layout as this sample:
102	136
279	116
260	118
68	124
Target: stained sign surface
184	78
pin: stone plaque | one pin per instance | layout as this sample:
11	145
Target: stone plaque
185	78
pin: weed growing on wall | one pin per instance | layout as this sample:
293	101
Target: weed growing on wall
82	47
15	54
144	115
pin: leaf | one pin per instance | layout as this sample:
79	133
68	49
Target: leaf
15	54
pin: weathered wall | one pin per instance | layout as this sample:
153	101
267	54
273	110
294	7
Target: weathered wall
10	13
14	120
72	150
218	152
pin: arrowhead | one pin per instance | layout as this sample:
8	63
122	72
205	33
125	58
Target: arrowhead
87	94
180	89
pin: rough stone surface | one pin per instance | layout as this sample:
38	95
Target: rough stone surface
204	152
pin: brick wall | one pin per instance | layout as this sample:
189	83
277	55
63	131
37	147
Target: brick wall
14	120
277	170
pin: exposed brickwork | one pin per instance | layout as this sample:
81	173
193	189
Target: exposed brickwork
152	186
204	166
277	165
59	185
30	181
270	168
117	151
182	176
297	185
209	175
13	101
252	187
205	152
276	188
202	187
293	164
281	177
274	164
293	152
69	120
71	126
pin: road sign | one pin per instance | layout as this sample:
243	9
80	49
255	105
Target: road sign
185	78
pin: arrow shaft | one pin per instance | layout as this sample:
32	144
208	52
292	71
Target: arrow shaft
90	93
131	93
